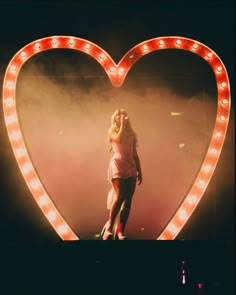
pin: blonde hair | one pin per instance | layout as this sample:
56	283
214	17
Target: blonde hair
115	127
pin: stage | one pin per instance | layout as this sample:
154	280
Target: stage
58	94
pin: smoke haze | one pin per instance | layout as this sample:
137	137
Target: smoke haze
65	102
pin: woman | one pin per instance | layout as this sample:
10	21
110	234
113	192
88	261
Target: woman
123	172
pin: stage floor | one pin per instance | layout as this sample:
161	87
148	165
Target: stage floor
118	267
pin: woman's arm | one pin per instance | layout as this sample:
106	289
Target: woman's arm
113	136
138	165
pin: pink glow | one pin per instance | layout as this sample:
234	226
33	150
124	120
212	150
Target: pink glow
69	156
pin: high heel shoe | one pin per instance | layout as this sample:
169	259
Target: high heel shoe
105	233
120	236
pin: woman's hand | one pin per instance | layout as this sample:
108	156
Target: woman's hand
140	178
123	119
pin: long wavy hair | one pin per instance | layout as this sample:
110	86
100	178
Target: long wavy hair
116	127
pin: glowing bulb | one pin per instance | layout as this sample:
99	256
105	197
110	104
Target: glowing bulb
145	47
26	168
51	215
62	229
112	69
15	135
218	134
102	56
35	184
131	56
121	71
219	69
9	102
183	214
161	42
201	184
224	101
13	69
222	118
209	55
37	46
10	85
87	46
207	168
223	84
23	55
20	152
71	42
11	119
43	200
192	199
213	151
172	228
195	46
178	42
54	42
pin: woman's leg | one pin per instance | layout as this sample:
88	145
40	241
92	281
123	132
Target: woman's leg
119	187
130	185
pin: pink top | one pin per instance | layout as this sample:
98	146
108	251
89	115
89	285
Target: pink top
122	164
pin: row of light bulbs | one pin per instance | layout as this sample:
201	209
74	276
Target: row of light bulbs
113	70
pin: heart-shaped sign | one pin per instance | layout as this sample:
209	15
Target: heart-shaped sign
116	73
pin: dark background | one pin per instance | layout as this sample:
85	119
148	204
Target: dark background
117	26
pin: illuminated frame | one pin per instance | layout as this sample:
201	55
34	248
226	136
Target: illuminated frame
116	73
